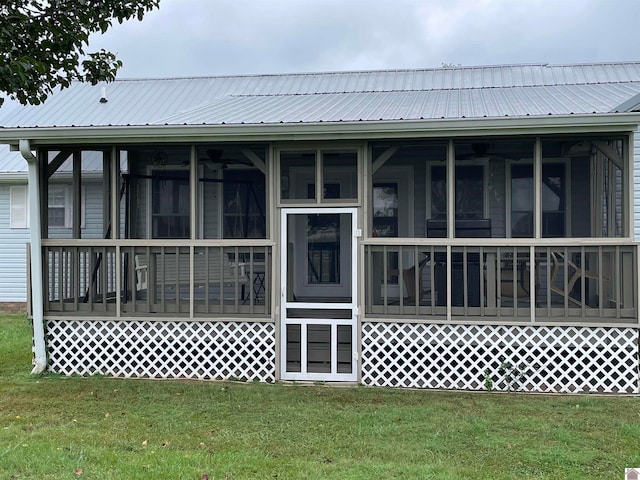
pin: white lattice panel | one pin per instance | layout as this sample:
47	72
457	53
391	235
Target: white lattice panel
163	349
550	359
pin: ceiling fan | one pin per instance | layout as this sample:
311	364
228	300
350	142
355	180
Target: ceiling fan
215	160
481	151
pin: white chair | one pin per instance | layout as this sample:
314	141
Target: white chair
564	287
142	273
233	273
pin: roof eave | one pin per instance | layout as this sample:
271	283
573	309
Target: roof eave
605	122
13	177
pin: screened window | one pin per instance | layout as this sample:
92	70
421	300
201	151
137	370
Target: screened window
385	210
170	204
338	172
244	204
553	194
469	193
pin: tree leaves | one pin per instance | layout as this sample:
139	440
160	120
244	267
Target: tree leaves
42	44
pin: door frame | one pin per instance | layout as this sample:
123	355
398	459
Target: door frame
315	307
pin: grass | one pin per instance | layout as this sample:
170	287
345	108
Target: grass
54	427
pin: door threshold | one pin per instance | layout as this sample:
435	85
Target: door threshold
319	383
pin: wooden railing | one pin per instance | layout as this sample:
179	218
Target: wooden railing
550	280
177	278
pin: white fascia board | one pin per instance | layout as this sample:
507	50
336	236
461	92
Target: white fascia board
14	177
616	122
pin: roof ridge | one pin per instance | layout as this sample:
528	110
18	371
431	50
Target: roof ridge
378	71
404	90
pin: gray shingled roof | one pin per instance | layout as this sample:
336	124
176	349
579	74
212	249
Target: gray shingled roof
450	93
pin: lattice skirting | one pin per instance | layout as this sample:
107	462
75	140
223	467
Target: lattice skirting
478	357
163	349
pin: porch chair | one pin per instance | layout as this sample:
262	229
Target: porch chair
520	286
140	265
522	282
232	273
574	273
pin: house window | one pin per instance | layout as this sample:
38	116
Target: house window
18	209
297	171
340	174
60	206
553	192
469	193
170	204
301	175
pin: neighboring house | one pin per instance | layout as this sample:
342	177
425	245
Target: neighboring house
14	218
438	228
14	231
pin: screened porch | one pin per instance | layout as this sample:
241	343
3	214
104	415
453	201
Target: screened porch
190	237
512	229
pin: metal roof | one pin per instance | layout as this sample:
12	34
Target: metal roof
13	164
461	92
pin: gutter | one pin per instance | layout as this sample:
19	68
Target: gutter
346	130
39	347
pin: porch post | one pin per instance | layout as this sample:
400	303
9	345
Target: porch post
194	217
114	198
451	218
39	348
537	192
537	225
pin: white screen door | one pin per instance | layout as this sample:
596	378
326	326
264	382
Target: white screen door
318	271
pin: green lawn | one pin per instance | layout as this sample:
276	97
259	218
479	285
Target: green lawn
102	428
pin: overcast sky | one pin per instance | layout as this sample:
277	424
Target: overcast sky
212	37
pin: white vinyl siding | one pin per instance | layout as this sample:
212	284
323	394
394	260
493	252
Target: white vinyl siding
636	185
13	241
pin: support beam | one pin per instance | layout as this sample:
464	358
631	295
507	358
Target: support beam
382	159
628	197
537	190
106	194
255	159
114	198
611	153
37	294
76	204
451	190
57	162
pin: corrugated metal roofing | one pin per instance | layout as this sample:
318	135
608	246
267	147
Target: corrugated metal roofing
13	164
469	92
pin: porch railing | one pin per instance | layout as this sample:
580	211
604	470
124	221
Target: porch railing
177	278
591	281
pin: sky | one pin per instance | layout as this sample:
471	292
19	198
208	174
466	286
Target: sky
226	37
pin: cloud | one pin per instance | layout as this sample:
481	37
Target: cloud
204	37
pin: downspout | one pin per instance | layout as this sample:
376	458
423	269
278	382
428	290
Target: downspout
39	348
